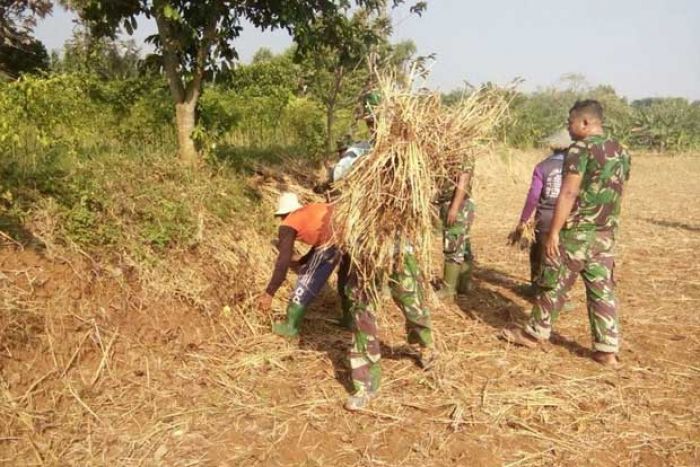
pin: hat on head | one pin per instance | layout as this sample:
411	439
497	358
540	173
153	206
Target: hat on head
288	203
559	140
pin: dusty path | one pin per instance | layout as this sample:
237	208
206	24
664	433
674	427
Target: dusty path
94	376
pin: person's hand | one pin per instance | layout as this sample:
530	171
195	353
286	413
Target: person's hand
515	236
551	246
321	188
452	215
264	301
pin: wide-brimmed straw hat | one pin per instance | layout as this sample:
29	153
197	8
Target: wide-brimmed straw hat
559	140
288	203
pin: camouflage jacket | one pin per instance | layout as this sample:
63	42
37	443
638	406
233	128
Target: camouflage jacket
604	166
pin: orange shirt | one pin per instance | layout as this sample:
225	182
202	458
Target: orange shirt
312	223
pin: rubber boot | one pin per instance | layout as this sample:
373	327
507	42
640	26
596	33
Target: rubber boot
449	282
464	281
346	320
290	327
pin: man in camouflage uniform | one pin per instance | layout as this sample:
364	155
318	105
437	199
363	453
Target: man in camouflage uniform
582	236
408	294
457	210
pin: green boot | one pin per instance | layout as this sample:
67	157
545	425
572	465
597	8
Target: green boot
464	281
290	328
449	282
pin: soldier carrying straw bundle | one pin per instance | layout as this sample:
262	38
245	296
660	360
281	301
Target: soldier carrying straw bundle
384	216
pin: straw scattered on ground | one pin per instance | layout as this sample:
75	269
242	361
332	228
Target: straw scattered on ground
95	370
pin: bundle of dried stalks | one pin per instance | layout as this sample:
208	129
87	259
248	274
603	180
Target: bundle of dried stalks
291	176
386	206
524	239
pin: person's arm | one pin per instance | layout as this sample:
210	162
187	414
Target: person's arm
567	198
533	196
285	244
573	170
458	198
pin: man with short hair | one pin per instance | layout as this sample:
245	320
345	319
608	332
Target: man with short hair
407	292
582	236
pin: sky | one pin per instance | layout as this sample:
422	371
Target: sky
643	48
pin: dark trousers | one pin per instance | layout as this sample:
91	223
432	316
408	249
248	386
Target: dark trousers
537	257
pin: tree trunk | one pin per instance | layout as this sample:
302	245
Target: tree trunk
330	121
185	94
331	104
185	121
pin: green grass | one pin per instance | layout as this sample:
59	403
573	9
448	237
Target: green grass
143	203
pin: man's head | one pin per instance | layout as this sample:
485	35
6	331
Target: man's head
585	119
287	204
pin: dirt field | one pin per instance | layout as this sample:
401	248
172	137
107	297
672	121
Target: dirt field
92	372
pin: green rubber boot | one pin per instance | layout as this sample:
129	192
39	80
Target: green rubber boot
290	327
464	281
449	282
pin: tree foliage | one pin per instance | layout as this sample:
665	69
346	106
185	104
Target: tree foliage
18	18
19	51
31	57
104	57
337	73
659	123
670	123
195	38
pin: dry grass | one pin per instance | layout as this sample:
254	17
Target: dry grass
95	370
523	239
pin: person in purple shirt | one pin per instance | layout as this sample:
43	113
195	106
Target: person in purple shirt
541	199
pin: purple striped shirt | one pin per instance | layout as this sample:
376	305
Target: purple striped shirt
544	191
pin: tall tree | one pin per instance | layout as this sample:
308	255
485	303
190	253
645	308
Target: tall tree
336	72
196	37
31	57
102	56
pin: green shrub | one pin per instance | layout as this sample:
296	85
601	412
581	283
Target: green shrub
662	124
667	124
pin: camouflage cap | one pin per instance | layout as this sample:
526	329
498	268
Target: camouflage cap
371	100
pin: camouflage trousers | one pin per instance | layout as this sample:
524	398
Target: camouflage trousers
407	293
590	254
457	245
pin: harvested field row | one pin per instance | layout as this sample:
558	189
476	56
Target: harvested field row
95	370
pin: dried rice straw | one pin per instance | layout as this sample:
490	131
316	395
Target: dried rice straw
524	239
386	204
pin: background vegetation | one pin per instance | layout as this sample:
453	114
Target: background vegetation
79	127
